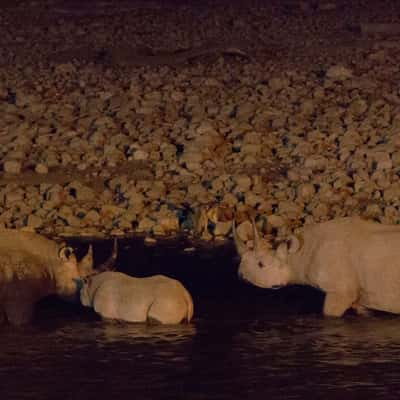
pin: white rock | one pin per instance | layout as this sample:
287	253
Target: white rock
305	191
41	168
34	221
222	228
12	166
276	221
140	155
339	73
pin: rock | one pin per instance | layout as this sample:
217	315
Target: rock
320	211
140	155
34	221
373	28
14	197
243	183
41	168
222	228
92	217
339	73
145	225
316	162
383	160
373	211
245	231
305	192
12	166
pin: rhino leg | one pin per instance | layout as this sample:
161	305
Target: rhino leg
164	311
360	309
20	297
19	312
336	304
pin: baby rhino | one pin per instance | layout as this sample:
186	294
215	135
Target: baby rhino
118	296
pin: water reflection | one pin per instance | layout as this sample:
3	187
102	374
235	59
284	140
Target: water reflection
271	356
124	333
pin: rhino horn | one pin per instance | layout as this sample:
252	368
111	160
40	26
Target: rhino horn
295	244
86	264
256	238
109	264
240	246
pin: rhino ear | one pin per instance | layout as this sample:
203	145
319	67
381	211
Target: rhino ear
282	251
66	253
295	244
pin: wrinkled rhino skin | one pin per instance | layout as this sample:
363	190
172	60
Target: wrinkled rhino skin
354	261
32	267
19	297
117	296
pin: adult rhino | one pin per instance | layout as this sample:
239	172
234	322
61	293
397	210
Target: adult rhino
121	297
33	267
354	261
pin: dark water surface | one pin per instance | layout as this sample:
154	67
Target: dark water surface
244	343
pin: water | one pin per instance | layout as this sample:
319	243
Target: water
243	343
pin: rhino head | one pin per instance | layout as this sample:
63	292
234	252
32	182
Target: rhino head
262	266
77	272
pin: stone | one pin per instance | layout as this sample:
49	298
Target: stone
12	166
339	73
41	168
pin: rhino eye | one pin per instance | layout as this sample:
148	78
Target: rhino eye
260	264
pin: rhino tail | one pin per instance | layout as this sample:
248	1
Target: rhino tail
190	307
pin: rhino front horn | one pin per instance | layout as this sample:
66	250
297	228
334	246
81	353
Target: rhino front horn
240	246
86	264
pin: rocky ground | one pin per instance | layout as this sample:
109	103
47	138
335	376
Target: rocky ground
162	117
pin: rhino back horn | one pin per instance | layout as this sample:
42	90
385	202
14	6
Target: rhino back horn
256	238
109	264
240	246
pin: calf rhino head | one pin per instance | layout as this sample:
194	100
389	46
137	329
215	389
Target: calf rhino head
262	266
72	274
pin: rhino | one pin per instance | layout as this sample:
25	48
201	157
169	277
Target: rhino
355	262
33	267
117	296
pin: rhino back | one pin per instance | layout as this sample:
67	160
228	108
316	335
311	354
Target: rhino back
119	296
352	254
14	241
329	256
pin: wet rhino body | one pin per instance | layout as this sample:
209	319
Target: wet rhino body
355	262
117	296
31	268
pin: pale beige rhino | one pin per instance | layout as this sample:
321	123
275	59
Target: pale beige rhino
354	261
117	296
33	267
